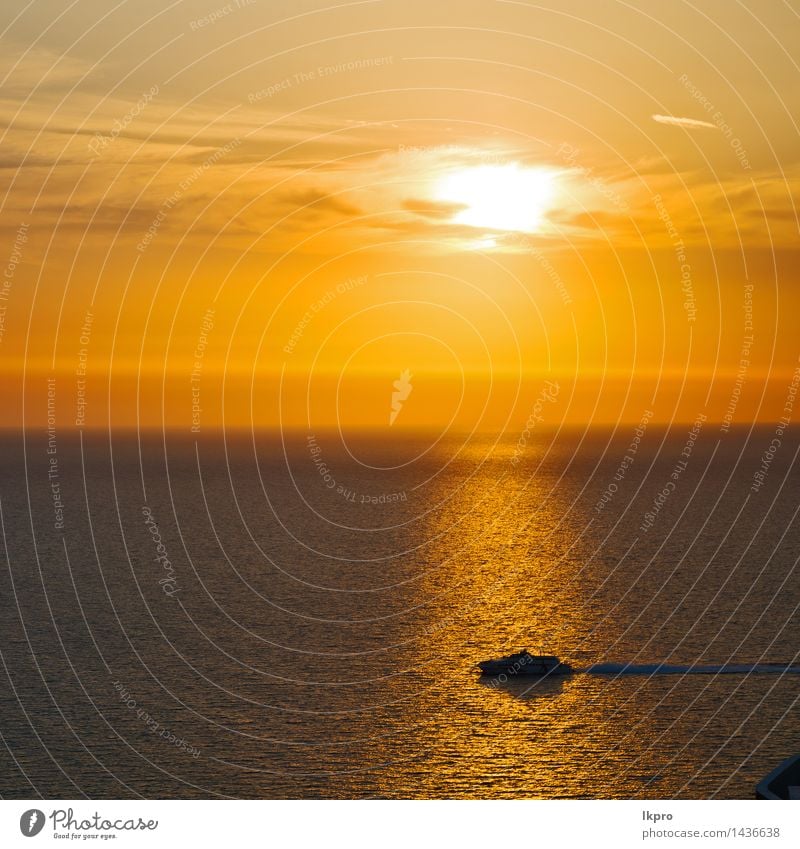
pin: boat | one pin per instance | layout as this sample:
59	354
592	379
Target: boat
525	663
783	782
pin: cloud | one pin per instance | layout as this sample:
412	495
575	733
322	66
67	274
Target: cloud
597	220
432	208
689	123
787	214
26	69
320	201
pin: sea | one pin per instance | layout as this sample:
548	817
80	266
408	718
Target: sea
299	614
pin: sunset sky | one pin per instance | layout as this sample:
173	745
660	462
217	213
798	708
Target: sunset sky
270	210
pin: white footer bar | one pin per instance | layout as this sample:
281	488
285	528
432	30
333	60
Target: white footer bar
403	824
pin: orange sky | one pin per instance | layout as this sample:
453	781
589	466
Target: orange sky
263	213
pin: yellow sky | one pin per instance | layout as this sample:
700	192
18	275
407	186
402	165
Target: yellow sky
265	212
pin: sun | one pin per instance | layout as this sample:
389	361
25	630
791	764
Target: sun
499	197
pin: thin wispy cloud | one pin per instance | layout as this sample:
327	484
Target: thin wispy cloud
690	123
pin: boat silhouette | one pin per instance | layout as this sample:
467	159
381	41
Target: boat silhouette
524	663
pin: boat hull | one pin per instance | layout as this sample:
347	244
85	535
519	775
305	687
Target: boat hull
531	668
783	782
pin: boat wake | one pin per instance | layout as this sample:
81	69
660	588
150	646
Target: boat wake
669	669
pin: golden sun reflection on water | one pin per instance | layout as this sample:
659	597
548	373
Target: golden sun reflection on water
513	568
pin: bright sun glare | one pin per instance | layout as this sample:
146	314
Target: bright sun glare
499	197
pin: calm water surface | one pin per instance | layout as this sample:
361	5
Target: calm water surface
313	631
